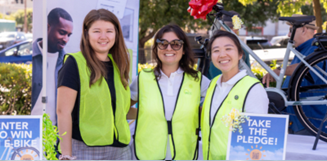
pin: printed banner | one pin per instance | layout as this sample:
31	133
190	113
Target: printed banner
263	137
20	138
64	35
115	6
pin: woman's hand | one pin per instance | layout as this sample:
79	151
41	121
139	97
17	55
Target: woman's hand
67	157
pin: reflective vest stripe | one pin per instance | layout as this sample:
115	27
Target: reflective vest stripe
215	135
152	128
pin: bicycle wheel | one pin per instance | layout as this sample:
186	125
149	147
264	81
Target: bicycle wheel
305	85
26	153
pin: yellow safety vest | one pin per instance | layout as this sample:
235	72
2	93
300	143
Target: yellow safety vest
152	128
215	135
97	123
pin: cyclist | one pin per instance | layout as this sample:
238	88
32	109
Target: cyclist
232	89
302	42
169	98
213	71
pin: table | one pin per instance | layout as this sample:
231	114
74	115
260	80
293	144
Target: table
299	147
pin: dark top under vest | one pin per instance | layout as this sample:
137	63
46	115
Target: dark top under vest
69	77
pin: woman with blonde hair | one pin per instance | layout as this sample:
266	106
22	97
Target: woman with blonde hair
93	93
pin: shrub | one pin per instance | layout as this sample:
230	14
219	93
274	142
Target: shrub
15	88
259	71
50	135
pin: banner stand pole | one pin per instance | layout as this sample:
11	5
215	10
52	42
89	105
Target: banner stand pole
44	55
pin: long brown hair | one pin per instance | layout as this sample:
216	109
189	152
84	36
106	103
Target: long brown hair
187	61
118	50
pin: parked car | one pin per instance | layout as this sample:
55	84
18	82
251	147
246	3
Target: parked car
268	55
18	53
257	42
10	38
29	36
279	41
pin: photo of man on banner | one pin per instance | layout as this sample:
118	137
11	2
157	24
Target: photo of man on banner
60	28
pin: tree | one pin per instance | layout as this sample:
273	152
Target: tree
309	10
154	14
19	17
7	17
253	12
289	7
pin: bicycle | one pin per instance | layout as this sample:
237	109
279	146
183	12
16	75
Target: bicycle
21	153
311	67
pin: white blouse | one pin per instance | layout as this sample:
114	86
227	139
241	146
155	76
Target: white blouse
256	101
169	87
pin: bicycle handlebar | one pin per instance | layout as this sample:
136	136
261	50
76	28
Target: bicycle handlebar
227	13
219	8
198	53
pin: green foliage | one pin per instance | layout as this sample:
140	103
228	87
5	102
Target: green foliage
255	12
287	8
19	17
259	72
308	10
324	4
246	2
154	14
49	137
15	88
273	65
9	17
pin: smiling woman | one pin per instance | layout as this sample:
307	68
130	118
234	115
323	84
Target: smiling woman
225	56
102	37
233	89
93	93
168	100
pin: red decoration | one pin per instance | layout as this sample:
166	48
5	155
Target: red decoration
200	8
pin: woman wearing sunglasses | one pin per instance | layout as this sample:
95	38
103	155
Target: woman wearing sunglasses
168	100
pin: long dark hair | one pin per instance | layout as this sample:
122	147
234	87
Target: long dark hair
118	50
187	61
221	33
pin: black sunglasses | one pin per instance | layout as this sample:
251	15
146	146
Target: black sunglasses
174	44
